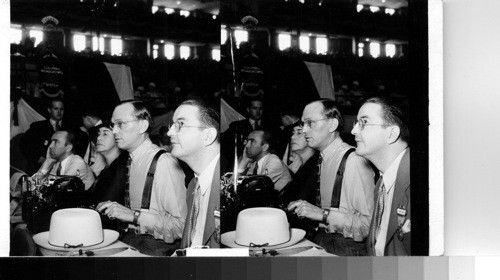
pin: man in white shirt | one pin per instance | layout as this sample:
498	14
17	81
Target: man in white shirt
62	160
257	160
154	213
382	136
194	134
343	209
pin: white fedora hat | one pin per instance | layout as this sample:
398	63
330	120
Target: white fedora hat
75	228
262	228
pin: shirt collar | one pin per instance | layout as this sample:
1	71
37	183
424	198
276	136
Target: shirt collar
64	162
261	161
141	149
53	122
206	176
330	149
389	176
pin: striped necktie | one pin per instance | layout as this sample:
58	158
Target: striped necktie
377	214
191	220
58	171
318	181
127	184
255	169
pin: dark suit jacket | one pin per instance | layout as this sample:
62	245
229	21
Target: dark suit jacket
397	245
110	185
211	233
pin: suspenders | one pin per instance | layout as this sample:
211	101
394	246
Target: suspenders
337	186
148	185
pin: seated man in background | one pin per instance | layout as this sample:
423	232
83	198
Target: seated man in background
37	138
62	160
257	160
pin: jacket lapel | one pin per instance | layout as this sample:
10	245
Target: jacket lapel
400	197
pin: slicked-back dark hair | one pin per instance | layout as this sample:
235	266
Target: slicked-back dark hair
55	99
331	111
141	111
209	114
393	114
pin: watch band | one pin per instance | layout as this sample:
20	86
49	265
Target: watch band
325	216
137	213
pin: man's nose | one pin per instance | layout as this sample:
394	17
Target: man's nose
171	131
114	129
355	129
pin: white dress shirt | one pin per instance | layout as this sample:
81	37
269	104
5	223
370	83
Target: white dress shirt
167	212
205	179
389	178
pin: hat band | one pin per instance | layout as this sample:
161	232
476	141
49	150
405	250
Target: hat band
69	246
253	245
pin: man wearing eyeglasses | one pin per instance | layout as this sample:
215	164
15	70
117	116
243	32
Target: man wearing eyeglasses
382	136
195	134
155	218
344	200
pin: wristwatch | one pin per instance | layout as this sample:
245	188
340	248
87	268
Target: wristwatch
325	216
137	213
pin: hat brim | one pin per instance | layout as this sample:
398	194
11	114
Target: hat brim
297	235
42	239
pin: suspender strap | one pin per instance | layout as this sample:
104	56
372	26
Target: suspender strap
148	186
337	186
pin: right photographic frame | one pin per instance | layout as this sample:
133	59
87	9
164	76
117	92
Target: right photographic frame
321	103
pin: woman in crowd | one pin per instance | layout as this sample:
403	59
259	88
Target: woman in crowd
110	183
303	163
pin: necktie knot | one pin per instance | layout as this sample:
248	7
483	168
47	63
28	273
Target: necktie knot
255	169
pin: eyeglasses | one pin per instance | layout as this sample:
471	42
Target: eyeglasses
178	125
310	123
120	124
362	124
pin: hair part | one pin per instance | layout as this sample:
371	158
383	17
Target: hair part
331	111
393	114
141	111
209	114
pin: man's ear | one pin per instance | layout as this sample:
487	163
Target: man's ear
334	126
265	147
69	147
394	133
210	135
144	124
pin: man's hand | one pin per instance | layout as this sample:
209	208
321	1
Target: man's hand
303	209
244	161
296	162
114	210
